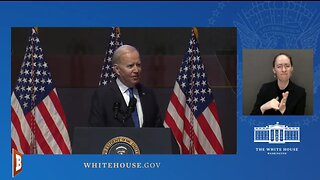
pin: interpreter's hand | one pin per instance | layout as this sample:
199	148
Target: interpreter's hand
272	104
282	105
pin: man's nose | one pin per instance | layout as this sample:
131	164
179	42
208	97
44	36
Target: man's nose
135	68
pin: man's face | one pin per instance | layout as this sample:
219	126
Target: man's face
128	68
283	68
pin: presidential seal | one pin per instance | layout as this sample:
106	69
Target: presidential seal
121	145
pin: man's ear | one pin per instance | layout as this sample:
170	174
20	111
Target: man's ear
116	69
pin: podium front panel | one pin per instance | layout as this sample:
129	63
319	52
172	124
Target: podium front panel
92	140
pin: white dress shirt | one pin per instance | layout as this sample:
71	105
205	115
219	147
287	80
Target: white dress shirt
125	93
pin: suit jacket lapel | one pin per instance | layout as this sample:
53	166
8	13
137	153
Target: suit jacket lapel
143	100
118	97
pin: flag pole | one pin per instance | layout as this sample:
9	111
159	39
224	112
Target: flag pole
192	121
118	33
33	144
118	30
195	30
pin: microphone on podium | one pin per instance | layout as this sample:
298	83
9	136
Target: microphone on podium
131	106
116	109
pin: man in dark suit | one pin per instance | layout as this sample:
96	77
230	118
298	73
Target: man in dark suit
125	102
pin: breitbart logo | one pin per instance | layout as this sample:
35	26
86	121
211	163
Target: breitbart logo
16	162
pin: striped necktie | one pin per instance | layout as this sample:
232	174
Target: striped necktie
135	116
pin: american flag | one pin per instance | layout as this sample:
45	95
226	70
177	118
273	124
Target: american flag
192	112
38	122
107	74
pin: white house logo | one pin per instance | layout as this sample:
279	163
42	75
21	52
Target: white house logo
276	134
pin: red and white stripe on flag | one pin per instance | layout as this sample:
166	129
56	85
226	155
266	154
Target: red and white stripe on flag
36	111
192	113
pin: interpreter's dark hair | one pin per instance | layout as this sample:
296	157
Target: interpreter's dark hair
274	59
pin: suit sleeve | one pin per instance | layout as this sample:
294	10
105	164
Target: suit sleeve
96	114
158	121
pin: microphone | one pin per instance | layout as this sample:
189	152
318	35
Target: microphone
116	108
131	108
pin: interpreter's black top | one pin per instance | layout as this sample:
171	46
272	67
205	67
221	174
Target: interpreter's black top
295	104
